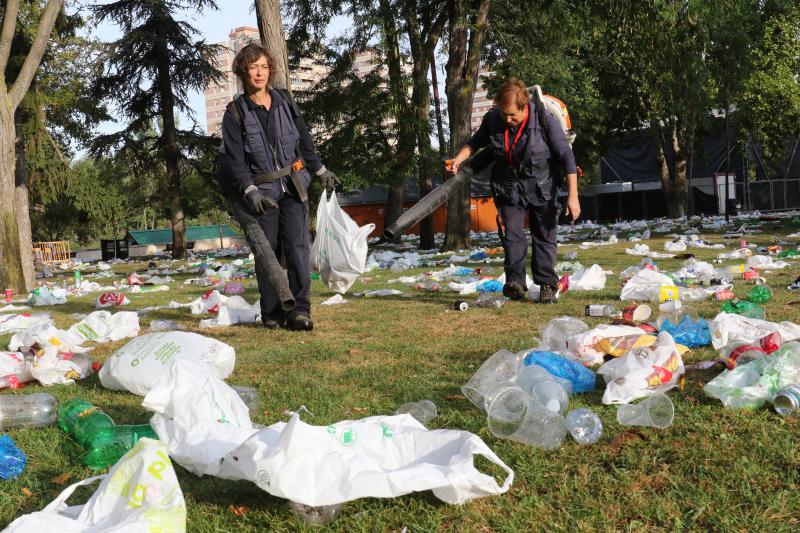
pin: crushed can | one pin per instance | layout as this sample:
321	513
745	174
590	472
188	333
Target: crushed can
787	401
461	305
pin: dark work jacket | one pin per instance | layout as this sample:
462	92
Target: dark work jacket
266	141
537	168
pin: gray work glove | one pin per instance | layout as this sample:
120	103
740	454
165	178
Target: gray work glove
258	202
328	179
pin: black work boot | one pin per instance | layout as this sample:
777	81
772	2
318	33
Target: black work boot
270	323
514	291
300	322
548	294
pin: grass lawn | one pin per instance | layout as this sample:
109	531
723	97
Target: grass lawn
714	469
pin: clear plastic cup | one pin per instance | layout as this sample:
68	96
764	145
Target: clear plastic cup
655	411
495	374
585	427
424	410
514	415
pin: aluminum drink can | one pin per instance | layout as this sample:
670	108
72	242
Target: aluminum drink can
461	305
787	401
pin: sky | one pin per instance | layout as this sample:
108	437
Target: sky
214	27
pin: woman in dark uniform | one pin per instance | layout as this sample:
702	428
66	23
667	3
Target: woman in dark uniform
267	164
527	174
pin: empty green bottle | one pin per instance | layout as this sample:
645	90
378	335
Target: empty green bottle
104	441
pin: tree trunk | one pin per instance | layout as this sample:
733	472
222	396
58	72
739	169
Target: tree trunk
463	63
169	148
273	38
405	131
673	184
11	265
421	99
22	206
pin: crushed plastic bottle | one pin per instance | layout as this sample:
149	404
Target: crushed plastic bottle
28	411
490	299
316	515
599	310
12	459
743	307
249	396
760	294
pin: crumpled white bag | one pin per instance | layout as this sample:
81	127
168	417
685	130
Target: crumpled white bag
14	364
339	252
207	430
98	326
208	303
643	285
138	365
111	299
750	385
24	322
140	493
643	371
678	246
589	279
727	327
766	262
45	296
233	310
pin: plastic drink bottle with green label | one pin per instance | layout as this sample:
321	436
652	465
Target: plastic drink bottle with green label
95	430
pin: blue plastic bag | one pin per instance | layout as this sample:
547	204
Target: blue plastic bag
688	332
490	285
478	256
12	459
582	379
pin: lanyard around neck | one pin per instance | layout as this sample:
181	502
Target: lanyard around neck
510	149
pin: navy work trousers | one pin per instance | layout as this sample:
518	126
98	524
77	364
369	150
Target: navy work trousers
286	231
543	222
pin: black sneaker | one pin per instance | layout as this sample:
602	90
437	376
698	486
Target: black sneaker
548	294
300	322
514	291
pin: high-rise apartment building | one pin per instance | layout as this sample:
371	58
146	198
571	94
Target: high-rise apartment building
482	101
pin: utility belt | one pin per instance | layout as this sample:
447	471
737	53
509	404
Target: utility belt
293	171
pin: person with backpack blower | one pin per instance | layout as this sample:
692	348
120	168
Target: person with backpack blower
531	156
267	161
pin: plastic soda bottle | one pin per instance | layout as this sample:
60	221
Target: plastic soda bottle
108	445
28	411
82	420
76	277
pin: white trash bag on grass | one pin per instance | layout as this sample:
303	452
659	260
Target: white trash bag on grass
140	493
139	365
339	252
207	429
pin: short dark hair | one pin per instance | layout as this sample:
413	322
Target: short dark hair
249	55
512	91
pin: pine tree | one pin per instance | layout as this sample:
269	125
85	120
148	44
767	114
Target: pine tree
150	71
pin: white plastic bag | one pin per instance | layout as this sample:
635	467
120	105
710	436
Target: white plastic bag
590	279
643	371
644	284
111	299
138	365
233	310
19	323
726	328
199	417
45	296
207	429
140	493
339	252
376	457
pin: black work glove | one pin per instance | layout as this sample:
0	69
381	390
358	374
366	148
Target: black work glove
329	180
258	202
